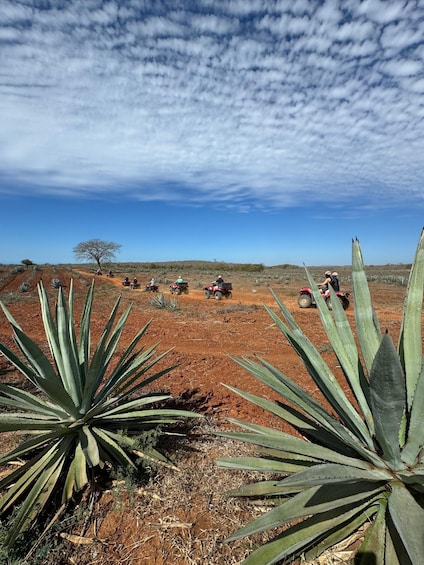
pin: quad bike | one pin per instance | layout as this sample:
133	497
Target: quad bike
219	290
151	287
306	298
126	282
134	284
179	288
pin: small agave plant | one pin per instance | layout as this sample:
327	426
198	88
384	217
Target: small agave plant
85	412
361	463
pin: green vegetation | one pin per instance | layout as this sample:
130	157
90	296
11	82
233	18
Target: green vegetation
198	266
356	464
16	270
85	414
159	301
24	287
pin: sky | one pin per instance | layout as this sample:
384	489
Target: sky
247	131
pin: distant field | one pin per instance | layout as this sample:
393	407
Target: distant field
208	270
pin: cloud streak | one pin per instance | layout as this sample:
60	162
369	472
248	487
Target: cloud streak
239	103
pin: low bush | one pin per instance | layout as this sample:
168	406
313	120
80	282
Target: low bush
159	301
24	287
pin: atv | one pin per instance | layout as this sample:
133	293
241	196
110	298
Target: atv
219	290
151	287
179	288
306	298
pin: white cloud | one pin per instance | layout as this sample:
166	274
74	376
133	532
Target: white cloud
404	68
384	12
266	101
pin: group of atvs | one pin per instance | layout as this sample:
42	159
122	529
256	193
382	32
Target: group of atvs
217	289
221	289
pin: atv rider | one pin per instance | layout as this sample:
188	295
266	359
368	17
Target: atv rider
219	281
179	280
335	281
324	285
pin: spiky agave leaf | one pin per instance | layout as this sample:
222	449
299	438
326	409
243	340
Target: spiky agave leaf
360	464
86	412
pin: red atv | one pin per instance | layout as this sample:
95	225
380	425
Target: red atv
219	290
151	287
306	298
179	288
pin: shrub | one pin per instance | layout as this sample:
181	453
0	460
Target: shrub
357	463
87	411
159	301
24	287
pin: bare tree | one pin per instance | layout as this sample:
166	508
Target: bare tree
96	250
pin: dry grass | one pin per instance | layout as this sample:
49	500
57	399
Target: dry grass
182	518
179	517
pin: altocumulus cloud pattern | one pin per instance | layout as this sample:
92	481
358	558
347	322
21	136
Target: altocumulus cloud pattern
268	101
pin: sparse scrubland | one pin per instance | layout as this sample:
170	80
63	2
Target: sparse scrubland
289	417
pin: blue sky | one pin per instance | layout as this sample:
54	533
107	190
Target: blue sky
239	130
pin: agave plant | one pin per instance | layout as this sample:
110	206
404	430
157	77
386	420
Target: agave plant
160	302
86	410
359	463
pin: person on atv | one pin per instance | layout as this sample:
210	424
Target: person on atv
335	281
179	280
126	281
219	281
152	282
324	285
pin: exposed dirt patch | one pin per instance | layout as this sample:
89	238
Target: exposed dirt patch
182	518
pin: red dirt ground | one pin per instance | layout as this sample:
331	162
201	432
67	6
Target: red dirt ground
201	333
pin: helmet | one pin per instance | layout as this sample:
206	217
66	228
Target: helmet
327	273
334	274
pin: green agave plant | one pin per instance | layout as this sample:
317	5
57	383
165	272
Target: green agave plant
85	413
359	463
